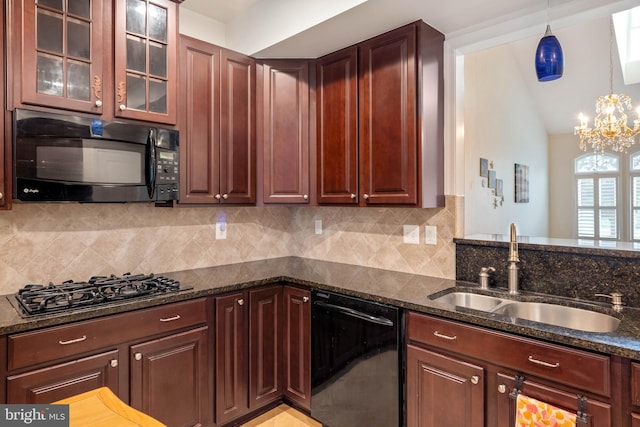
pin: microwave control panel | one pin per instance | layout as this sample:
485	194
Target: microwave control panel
167	175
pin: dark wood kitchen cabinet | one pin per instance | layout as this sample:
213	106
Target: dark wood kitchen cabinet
217	125
384	100
248	351
109	58
297	346
443	388
283	97
168	344
6	168
450	363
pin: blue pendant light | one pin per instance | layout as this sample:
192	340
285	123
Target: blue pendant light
549	56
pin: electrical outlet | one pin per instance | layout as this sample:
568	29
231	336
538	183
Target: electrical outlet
318	225
221	230
411	234
430	235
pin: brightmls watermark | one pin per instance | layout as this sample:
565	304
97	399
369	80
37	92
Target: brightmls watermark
34	415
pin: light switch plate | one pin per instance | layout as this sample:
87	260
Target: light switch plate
430	235
411	234
318	226
221	230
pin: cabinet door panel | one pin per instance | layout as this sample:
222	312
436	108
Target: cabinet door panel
297	345
388	136
337	127
58	382
145	61
199	121
442	388
58	54
169	378
285	138
238	133
231	357
600	412
265	346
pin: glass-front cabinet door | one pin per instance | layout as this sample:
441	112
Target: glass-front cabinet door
145	60
61	58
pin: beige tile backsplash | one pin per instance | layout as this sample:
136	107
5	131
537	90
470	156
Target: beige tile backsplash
40	243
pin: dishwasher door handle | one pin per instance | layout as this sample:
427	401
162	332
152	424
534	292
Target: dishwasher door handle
354	313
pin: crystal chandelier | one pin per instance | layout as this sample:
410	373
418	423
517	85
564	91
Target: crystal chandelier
610	124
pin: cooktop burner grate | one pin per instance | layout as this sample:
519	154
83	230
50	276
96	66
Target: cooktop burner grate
41	299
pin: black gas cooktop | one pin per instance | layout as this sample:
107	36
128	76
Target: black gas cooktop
35	299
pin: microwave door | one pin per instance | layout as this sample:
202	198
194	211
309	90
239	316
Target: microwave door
150	163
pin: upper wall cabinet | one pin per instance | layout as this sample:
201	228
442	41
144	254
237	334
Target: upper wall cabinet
217	125
145	59
399	94
61	56
284	98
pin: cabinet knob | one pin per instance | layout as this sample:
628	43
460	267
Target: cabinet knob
475	379
241	301
305	299
353	196
98	103
502	388
306	197
1	196
123	107
114	363
365	196
218	196
225	196
137	356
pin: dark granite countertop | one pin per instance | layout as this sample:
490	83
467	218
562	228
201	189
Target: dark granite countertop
405	290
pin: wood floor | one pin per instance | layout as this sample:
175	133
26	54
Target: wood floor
282	416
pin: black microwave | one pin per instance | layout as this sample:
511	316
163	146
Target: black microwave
69	158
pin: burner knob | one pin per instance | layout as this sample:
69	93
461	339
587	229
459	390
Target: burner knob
137	356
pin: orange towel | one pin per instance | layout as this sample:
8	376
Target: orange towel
534	413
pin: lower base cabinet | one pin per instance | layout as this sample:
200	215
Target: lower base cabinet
57	382
463	375
167	374
170	378
442	388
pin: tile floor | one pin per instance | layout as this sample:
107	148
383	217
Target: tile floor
282	416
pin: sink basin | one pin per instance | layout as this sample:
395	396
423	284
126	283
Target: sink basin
469	300
560	315
551	314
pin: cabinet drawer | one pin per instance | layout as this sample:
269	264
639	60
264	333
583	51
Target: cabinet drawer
31	348
583	370
635	383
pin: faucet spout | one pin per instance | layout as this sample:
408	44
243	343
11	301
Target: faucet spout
513	260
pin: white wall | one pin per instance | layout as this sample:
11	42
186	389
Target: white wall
502	125
200	27
563	149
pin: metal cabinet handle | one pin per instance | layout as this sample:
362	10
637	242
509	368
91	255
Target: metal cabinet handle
446	337
305	299
218	196
73	341
114	363
365	196
98	103
225	196
137	356
1	196
475	379
123	107
543	363
241	301
353	196
502	388
170	319
305	196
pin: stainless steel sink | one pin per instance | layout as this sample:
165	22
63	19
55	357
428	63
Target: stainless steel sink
560	315
551	314
470	300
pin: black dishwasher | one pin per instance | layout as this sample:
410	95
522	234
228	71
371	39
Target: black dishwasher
356	362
